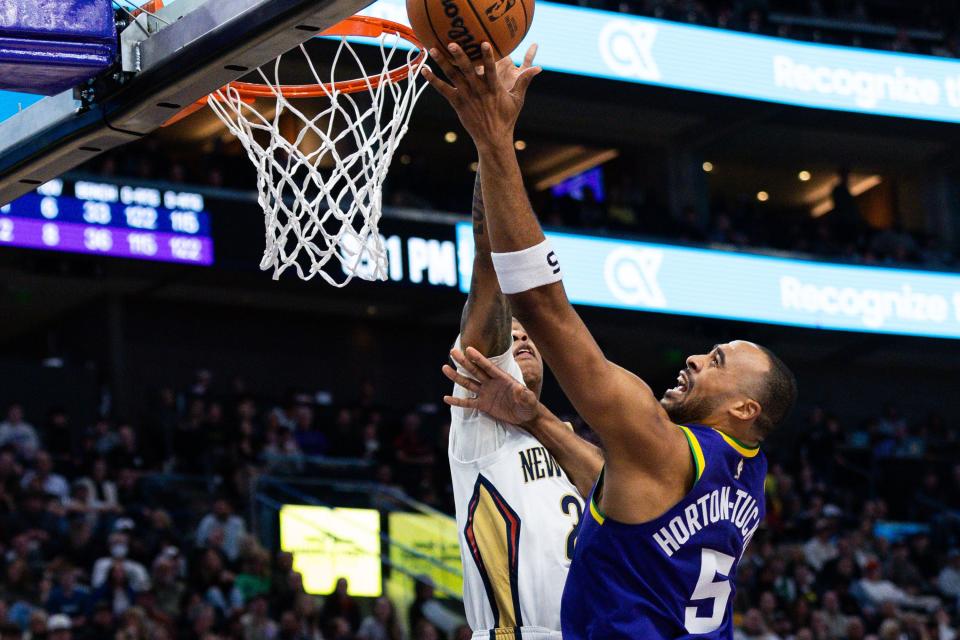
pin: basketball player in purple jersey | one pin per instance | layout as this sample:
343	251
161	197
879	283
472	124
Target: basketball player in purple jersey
681	490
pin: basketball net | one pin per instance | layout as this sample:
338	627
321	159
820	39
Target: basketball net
320	182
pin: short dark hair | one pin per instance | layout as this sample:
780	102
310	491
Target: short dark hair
778	394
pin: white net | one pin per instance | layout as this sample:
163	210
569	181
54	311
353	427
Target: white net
321	173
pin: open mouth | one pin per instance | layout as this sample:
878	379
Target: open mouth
524	352
683	384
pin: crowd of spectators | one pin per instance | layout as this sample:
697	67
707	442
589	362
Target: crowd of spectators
927	27
94	544
835	560
91	549
745	223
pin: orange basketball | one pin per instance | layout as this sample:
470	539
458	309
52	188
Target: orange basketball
469	23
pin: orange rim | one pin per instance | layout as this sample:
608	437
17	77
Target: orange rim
149	7
363	26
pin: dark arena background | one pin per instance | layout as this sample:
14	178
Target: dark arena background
192	450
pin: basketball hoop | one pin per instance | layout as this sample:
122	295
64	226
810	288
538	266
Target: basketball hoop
320	181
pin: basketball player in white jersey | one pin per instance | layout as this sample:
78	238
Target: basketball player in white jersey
517	511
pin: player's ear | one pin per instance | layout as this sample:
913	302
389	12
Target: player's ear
746	409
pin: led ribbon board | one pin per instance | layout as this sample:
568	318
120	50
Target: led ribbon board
718	284
645	50
669	54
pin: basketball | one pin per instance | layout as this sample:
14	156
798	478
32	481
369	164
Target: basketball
502	23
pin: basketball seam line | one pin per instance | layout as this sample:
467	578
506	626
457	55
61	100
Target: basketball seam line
484	27
426	10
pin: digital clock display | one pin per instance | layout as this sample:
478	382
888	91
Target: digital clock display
142	223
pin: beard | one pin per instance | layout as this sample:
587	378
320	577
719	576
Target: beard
689	409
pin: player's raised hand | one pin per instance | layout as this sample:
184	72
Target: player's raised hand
508	72
488	109
496	392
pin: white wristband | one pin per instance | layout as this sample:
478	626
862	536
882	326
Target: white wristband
530	268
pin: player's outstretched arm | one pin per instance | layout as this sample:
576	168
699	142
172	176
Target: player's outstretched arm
501	396
617	404
486	320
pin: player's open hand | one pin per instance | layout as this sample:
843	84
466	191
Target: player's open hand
495	391
488	99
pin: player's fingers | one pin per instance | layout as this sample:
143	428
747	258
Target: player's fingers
530	56
490	73
524	80
468	69
519	394
463	403
487	368
449	69
444	89
457	378
467	363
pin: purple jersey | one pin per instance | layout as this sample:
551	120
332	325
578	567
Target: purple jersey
672	577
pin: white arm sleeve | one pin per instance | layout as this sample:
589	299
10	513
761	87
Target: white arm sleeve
474	434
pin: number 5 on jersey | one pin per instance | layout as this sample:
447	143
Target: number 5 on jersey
712	563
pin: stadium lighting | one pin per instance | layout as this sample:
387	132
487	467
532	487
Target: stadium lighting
707	167
763	196
405	159
520	145
473	166
450	136
804	176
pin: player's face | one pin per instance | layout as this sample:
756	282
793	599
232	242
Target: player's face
712	381
527	356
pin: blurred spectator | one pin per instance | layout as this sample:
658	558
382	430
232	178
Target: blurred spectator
16	432
42	478
101	491
820	549
753	628
230	525
949	579
340	604
134	574
116	589
875	591
256	623
127	451
168	588
58	437
59	627
69	598
381	624
310	440
427	609
410	447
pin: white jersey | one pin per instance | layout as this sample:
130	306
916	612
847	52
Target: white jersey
517	516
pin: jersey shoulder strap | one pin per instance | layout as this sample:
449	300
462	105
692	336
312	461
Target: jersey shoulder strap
707	443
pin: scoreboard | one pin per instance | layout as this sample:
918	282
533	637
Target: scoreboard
142	223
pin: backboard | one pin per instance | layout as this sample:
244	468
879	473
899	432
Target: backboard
168	60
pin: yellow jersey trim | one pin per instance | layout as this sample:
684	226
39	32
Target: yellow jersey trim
596	513
595	510
699	462
740	447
